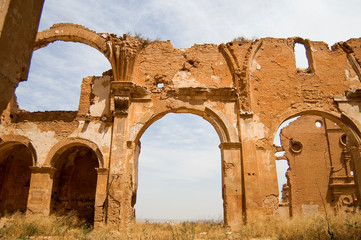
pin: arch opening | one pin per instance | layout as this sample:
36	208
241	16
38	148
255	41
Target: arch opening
319	158
15	162
179	170
50	82
75	182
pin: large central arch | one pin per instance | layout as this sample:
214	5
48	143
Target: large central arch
179	179
218	120
230	156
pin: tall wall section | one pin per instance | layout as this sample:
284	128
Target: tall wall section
245	89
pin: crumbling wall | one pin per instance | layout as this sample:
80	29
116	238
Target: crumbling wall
319	166
18	27
245	89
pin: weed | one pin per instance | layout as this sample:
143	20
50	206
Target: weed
343	225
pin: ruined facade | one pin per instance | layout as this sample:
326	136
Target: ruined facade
321	171
245	89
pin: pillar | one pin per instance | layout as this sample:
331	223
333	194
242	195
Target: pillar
356	156
232	184
41	186
19	22
120	210
100	197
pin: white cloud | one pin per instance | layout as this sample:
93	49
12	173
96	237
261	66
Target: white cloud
187	22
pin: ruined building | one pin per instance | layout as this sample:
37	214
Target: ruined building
321	170
87	160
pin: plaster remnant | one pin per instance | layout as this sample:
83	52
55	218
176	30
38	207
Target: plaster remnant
184	79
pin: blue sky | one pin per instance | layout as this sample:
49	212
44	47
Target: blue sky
169	183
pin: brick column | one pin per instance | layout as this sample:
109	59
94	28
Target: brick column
100	197
119	210
232	189
41	186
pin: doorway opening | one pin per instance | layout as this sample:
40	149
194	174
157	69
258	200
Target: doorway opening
75	182
15	173
179	171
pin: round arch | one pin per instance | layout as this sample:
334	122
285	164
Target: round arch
17	155
75	179
8	141
346	123
64	145
70	32
218	120
344	158
148	204
229	147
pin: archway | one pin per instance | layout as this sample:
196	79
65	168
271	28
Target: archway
15	161
48	79
179	170
319	149
75	181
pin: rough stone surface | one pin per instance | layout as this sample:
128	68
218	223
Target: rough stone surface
245	89
18	26
320	173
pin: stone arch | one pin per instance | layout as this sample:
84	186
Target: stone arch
70	32
62	146
75	180
17	155
7	141
346	123
218	120
328	162
230	148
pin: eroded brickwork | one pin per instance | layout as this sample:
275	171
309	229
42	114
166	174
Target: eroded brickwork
245	89
321	169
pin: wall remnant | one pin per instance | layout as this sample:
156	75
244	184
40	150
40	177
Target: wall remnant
321	168
245	89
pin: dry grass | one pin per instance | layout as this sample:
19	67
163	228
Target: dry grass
341	226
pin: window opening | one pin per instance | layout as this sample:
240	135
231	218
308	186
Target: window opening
318	124
301	56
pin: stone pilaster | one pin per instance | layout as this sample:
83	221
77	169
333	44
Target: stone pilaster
232	184
120	210
41	186
100	197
